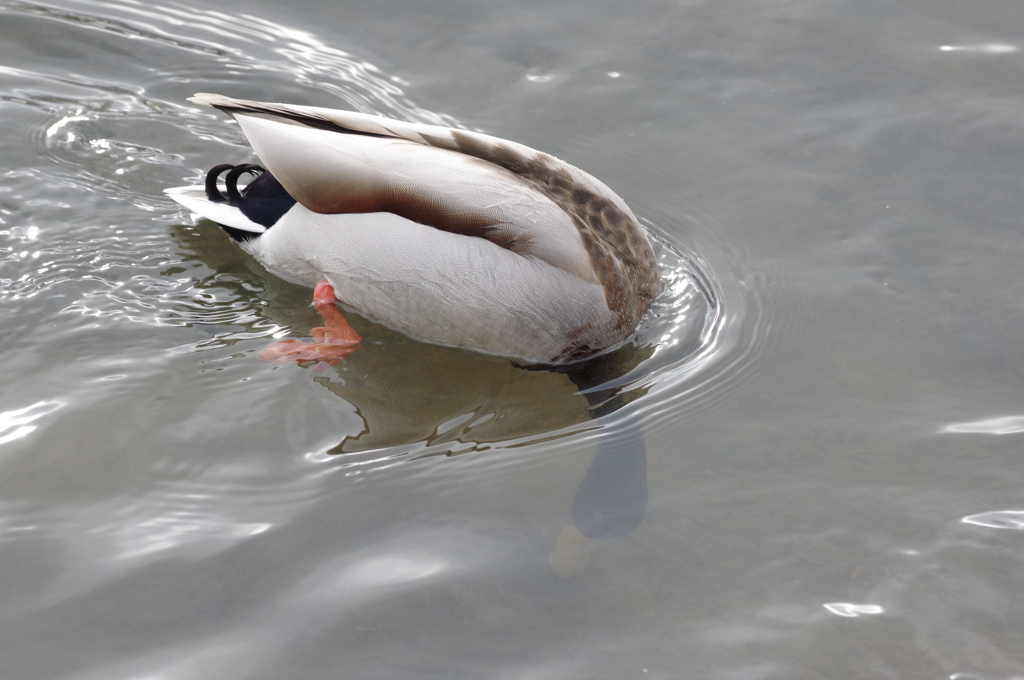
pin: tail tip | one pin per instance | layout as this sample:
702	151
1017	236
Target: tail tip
209	99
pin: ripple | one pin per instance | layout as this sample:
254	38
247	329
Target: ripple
15	424
852	610
1001	425
999	519
738	328
984	48
206	512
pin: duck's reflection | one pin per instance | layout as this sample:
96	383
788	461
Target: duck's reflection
407	392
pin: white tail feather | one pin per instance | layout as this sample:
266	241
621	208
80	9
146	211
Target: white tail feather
194	198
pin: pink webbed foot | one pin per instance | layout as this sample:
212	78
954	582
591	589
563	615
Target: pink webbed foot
332	342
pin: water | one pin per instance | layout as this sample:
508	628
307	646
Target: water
805	465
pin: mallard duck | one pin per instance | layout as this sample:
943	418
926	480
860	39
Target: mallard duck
446	235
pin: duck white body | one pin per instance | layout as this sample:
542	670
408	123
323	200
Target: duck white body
446	235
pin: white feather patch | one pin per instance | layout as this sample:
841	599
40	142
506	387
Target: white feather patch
194	198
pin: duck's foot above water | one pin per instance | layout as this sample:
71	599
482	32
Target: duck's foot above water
331	342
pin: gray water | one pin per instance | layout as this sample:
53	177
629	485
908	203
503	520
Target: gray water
810	453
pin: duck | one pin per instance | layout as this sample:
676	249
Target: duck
447	235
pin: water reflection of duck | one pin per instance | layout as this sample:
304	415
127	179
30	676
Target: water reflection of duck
404	393
447	235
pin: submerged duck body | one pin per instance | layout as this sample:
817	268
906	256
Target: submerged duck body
447	235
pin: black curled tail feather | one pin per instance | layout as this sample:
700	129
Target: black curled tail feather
264	200
234	197
212	191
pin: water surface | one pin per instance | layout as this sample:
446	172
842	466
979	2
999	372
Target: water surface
804	465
